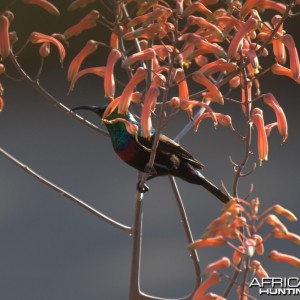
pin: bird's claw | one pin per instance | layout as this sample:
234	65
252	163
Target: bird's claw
150	170
142	189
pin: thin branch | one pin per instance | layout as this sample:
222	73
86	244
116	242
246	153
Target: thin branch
187	229
52	99
65	193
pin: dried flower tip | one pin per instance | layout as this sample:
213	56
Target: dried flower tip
281	257
275	222
4	37
285	212
46	5
209	242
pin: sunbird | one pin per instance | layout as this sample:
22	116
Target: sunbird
170	159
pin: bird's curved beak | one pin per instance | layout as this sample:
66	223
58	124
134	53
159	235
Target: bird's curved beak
99	110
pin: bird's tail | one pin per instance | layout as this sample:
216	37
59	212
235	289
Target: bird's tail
211	188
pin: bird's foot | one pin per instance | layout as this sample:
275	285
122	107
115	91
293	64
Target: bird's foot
142	189
150	171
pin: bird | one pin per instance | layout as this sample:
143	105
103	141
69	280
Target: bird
170	159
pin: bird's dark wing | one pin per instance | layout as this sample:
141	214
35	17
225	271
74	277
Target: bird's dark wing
170	150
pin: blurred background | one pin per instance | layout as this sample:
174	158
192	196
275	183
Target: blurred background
53	249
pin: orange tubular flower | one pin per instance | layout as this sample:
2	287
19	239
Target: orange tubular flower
289	236
90	47
270	100
200	7
225	217
236	43
39	38
285	212
161	13
238	255
283	71
148	33
188	105
182	85
278	46
49	7
222	263
1	103
281	257
201	22
148	107
224	120
130	127
242	292
209	242
205	47
293	55
213	279
79	4
99	71
215	93
219	65
269	4
146	54
262	141
114	40
87	22
247	6
125	100
275	222
4	37
259	270
135	97
109	79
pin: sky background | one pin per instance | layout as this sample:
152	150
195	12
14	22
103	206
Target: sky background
52	249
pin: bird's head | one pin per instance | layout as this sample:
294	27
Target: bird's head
99	110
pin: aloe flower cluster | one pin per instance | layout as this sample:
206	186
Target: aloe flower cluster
238	228
166	47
